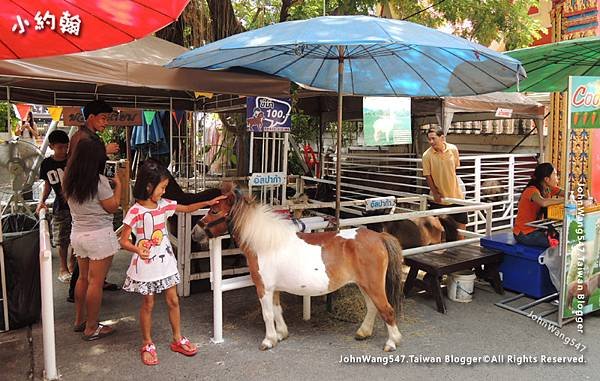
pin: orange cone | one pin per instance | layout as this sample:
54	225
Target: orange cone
594	115
575	118
585	116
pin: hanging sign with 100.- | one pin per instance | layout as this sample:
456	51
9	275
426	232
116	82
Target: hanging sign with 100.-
265	114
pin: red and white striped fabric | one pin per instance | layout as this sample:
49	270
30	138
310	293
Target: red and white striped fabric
150	229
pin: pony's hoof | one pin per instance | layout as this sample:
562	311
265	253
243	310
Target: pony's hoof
389	348
363	334
265	345
282	336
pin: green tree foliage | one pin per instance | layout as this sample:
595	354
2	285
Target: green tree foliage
115	135
257	13
305	128
486	21
3	117
350	131
476	20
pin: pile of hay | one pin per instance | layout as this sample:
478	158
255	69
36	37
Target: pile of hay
348	304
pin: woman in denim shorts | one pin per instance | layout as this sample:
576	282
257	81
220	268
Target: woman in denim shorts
92	203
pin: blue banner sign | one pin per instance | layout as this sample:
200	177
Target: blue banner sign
267	179
380	203
264	114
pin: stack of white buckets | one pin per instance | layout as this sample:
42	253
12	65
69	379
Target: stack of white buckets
460	286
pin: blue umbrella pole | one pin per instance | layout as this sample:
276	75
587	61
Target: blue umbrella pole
338	163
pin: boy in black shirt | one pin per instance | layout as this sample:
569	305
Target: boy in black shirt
52	171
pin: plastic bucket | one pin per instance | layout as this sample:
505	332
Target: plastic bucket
460	288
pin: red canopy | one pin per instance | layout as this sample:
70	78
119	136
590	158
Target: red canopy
37	28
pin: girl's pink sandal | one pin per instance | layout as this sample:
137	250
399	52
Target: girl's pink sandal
178	346
149	348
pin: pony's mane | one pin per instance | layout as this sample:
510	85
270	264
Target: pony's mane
259	227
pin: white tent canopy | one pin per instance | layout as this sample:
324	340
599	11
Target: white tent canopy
130	75
446	110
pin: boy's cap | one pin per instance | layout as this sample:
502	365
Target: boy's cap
96	107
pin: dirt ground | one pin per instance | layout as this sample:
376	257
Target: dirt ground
320	349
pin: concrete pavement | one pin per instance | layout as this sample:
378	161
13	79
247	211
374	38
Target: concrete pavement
320	349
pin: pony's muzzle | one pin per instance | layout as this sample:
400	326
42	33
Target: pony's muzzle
199	234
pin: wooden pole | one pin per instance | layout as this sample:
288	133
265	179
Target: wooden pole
338	163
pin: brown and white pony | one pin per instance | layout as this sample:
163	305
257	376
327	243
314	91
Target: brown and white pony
280	259
419	231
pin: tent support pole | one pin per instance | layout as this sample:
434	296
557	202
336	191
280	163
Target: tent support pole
8	126
443	116
128	132
48	335
321	148
171	133
539	124
338	163
194	130
2	262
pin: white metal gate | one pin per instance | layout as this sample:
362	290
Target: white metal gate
272	148
497	179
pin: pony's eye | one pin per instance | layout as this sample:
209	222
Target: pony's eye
213	211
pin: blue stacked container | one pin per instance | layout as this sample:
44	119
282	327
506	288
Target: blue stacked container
520	269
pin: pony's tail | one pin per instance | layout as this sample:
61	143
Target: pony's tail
450	227
393	275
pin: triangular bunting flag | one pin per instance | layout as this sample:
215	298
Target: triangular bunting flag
149	116
23	109
199	94
55	113
178	116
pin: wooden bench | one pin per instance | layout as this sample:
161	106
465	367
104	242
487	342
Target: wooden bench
442	262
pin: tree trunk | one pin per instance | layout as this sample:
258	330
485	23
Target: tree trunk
224	23
173	32
284	14
194	20
223	20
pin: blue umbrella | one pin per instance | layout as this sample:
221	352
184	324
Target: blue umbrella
380	56
150	134
361	55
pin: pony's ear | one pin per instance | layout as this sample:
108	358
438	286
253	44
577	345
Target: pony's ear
226	187
231	198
